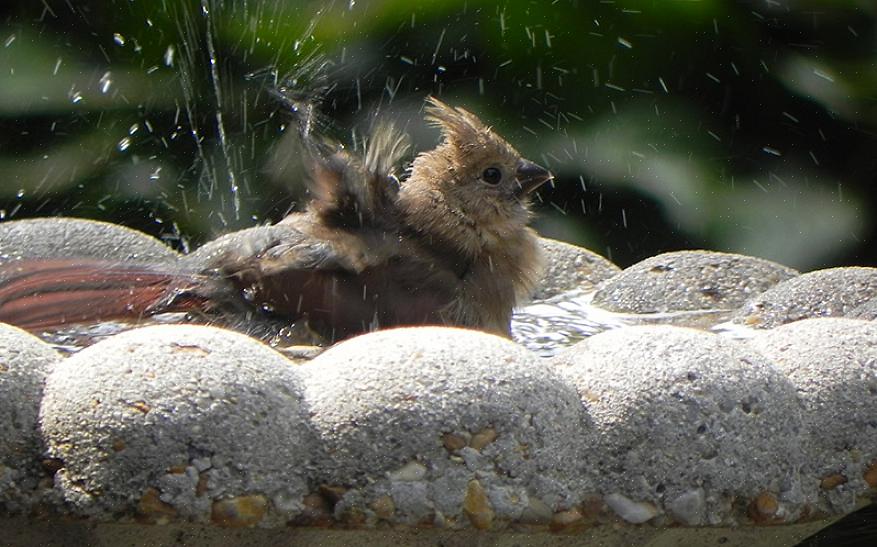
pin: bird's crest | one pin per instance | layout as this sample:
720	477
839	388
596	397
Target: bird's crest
463	134
459	126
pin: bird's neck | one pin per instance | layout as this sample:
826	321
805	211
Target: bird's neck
506	259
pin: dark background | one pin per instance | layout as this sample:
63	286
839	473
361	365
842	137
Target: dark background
729	125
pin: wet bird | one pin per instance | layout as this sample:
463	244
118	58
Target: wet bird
446	245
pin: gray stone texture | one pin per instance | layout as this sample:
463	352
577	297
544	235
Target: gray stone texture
689	281
832	363
674	409
867	310
173	420
569	267
834	292
63	237
462	404
24	363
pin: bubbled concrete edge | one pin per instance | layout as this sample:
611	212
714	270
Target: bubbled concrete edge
454	430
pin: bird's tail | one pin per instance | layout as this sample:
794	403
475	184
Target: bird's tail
37	294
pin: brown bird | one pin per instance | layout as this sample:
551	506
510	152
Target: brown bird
448	245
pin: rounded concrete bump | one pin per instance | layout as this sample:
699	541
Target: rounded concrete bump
832	362
833	292
63	237
179	420
245	242
676	409
569	267
689	281
443	407
25	360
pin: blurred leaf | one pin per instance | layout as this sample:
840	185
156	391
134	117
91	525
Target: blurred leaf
803	221
38	79
58	168
848	89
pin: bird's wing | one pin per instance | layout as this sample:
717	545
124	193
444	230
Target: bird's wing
343	285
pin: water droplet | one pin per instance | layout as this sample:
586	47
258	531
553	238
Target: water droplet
119	39
105	82
124	144
169	55
133	129
20	193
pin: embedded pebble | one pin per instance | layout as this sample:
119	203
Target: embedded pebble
834	292
689	281
383	507
689	507
152	510
239	511
483	438
832	362
566	521
477	507
675	407
764	508
635	512
24	363
150	407
412	471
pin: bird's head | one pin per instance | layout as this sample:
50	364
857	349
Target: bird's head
474	188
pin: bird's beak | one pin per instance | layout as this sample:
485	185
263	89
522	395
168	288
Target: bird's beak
530	176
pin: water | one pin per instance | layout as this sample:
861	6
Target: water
547	327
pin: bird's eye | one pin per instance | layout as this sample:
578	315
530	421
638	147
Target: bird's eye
491	175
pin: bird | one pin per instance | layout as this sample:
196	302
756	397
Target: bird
446	242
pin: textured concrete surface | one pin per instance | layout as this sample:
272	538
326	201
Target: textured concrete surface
867	310
834	292
833	365
61	237
569	267
176	420
446	414
639	435
24	362
686	423
689	280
